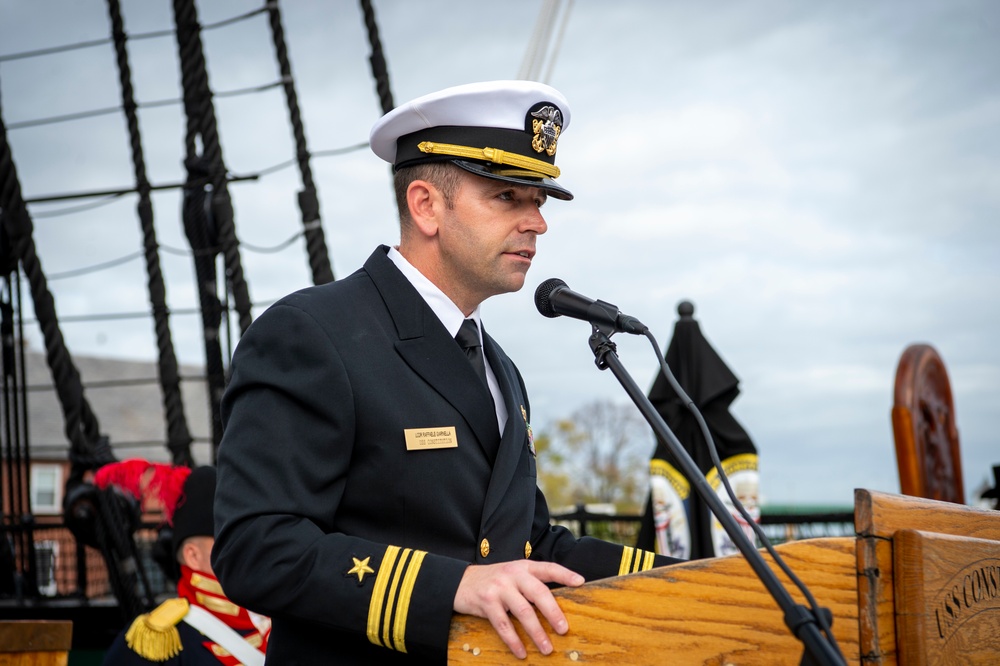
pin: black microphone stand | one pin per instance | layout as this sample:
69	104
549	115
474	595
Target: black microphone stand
799	619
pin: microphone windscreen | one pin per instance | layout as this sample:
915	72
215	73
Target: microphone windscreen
542	294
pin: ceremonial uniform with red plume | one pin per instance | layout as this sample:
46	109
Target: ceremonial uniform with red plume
177	631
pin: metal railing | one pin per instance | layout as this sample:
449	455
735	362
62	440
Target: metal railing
66	569
778	527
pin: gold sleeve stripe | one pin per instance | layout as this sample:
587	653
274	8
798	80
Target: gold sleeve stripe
378	593
647	561
390	605
405	593
391	596
635	560
626	565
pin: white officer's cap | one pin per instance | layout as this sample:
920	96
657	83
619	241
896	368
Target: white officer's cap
506	130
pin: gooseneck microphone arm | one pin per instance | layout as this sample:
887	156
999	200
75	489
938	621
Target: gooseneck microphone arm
800	620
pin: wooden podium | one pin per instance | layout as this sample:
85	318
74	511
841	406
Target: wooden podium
35	642
918	584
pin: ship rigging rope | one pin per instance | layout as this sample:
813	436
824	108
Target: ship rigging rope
135	36
107	111
557	47
126	571
57	448
201	124
113	383
208	218
377	59
113	316
178	433
110	196
80	423
539	54
208	210
210	228
319	257
113	263
534	55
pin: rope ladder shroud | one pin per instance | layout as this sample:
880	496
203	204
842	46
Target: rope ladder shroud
178	434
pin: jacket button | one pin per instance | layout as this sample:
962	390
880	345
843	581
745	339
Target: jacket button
484	548
527	549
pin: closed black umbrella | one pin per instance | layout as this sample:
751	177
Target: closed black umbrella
677	522
994	492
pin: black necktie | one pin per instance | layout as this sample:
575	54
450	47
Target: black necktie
468	339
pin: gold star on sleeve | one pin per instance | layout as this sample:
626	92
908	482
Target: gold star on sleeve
360	568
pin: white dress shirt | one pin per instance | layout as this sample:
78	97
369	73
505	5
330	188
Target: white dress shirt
452	317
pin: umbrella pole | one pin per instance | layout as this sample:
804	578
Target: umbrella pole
800	619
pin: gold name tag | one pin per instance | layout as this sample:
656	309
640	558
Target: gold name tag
420	439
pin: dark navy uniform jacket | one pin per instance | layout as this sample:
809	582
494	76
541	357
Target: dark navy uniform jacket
352	543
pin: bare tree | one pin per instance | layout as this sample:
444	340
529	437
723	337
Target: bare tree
599	454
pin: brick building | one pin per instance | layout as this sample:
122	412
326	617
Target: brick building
126	399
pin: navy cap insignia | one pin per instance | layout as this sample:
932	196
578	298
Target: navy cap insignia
546	125
360	569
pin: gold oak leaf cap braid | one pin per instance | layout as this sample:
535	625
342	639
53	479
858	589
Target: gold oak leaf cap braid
530	166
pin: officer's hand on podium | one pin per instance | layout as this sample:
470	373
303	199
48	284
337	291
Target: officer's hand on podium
491	591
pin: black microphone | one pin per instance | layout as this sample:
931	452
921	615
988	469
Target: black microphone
553	298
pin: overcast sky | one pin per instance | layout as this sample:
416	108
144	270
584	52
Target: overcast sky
821	179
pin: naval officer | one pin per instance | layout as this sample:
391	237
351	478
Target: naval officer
377	470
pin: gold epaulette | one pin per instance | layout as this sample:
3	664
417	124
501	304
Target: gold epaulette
153	636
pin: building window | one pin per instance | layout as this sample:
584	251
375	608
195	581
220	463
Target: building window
46	488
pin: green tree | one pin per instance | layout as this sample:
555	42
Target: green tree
552	478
